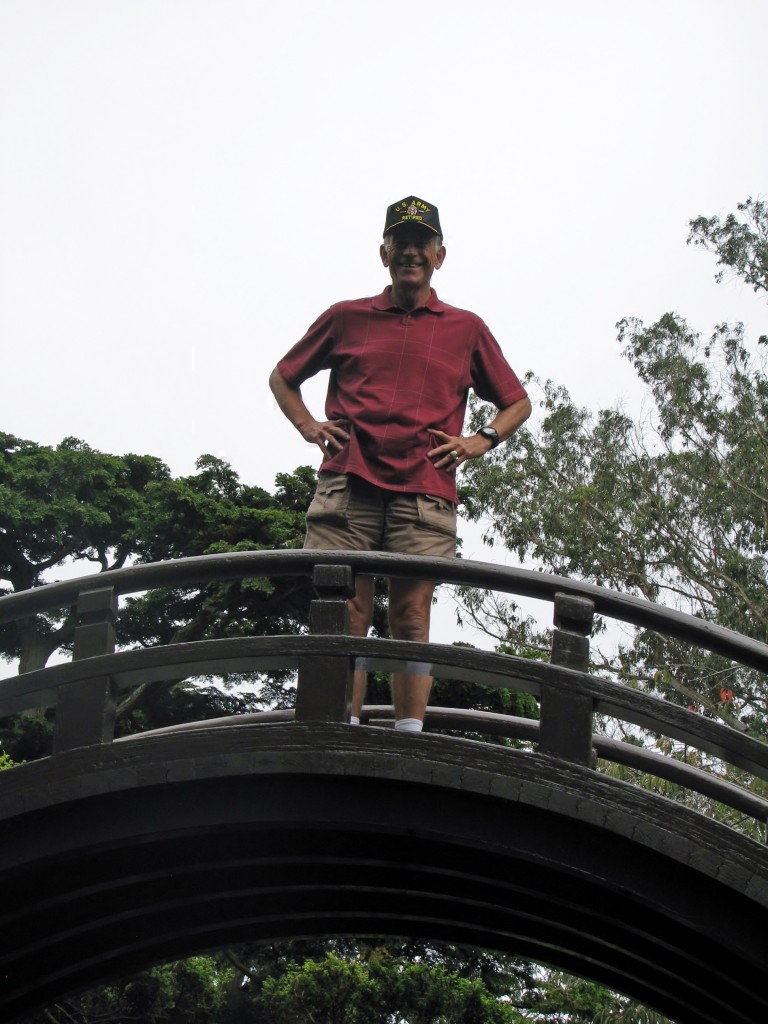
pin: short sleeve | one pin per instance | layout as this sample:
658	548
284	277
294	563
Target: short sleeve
493	379
312	353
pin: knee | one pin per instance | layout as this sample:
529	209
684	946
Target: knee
410	621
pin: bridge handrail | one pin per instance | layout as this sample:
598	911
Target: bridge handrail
193	571
487	668
85	689
127	668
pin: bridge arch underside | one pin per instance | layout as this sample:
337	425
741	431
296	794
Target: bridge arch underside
157	847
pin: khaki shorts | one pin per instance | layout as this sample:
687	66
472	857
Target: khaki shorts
349	514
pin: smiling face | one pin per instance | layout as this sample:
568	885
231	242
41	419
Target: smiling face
412	254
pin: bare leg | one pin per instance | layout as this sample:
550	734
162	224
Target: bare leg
410	604
360	617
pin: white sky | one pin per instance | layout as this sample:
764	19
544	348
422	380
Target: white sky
186	184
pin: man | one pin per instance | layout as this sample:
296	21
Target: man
401	365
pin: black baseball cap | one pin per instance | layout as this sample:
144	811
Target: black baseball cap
412	210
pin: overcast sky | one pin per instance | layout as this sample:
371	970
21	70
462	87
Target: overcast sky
186	184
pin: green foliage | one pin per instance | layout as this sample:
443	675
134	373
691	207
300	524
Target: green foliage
740	245
673	508
27	737
192	991
557	998
211	512
6	761
343	981
207	513
67	502
320	982
377	987
181	702
70	502
73	503
329	991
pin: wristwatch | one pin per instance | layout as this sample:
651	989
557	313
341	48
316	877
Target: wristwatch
490	433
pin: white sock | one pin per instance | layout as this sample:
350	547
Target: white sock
408	725
354	720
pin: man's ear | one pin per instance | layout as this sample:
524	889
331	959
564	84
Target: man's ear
384	255
440	257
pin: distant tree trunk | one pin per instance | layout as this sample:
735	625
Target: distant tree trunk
35	649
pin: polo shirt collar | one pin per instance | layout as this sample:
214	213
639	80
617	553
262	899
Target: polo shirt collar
384	301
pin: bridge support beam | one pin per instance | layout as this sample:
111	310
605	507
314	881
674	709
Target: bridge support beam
566	719
324	691
86	710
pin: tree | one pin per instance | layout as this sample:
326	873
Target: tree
558	998
317	981
328	991
740	245
212	512
674	507
192	991
343	981
64	503
377	984
73	503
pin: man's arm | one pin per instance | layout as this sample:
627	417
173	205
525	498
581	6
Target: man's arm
505	423
328	435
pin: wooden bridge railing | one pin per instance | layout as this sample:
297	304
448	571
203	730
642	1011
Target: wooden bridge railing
85	690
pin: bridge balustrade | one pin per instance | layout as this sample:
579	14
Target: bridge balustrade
85	691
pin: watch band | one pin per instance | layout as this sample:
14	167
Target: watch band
491	433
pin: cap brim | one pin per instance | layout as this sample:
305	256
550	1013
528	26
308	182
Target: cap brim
408	224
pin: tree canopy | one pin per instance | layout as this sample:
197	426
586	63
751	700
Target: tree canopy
67	502
347	982
70	503
741	246
673	507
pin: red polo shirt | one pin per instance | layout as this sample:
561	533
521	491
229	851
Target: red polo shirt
393	375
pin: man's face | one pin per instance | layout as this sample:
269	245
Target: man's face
411	255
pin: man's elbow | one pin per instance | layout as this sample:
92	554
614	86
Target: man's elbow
520	411
277	382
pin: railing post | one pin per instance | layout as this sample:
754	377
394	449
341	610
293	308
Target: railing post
566	718
86	710
324	691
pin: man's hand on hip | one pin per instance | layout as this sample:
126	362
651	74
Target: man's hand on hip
452	451
330	436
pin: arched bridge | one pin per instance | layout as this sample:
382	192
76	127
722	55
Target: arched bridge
115	854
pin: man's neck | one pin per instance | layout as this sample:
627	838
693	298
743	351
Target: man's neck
409	299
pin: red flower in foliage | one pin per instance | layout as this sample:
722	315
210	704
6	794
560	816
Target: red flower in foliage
726	696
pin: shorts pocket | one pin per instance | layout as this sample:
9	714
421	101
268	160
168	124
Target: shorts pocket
331	500
437	513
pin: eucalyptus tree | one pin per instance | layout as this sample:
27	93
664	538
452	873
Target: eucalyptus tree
673	506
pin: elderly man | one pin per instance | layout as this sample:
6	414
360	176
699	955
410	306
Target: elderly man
401	365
